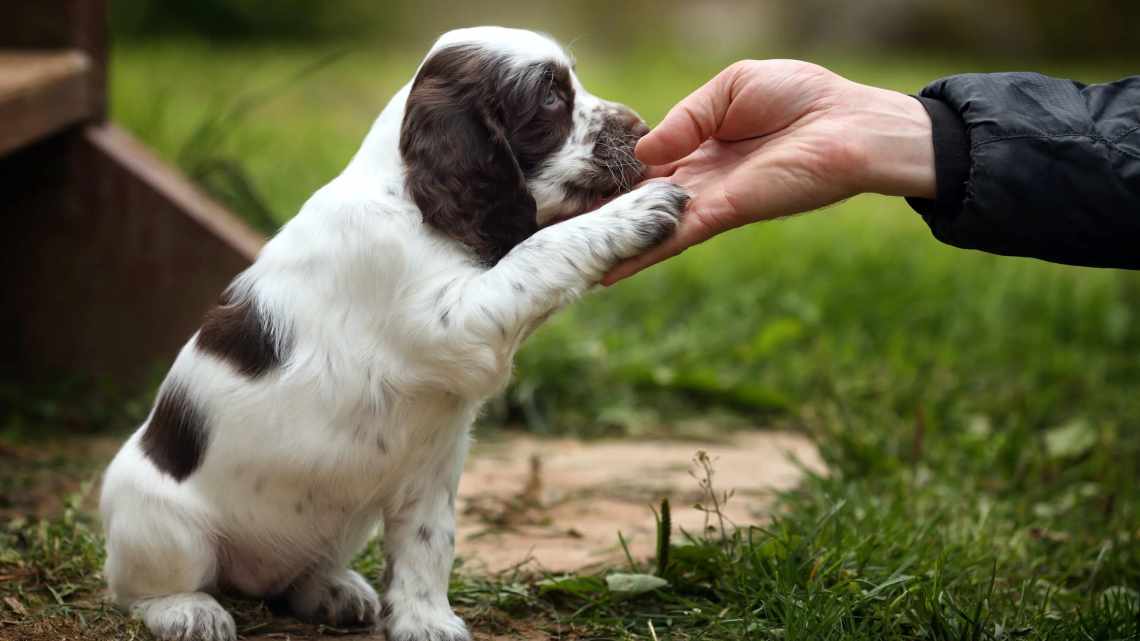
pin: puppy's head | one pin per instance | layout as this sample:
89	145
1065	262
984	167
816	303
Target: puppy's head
499	138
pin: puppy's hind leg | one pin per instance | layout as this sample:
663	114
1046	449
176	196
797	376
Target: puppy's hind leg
158	566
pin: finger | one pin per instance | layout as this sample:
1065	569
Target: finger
688	124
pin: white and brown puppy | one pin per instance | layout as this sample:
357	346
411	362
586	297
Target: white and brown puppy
335	386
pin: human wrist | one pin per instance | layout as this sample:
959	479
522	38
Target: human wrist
894	134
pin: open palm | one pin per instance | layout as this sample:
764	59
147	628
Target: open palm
761	140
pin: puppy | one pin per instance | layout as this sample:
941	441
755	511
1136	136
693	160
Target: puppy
334	387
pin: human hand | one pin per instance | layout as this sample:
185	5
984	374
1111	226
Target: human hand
769	138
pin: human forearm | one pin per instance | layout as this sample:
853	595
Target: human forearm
1049	168
893	135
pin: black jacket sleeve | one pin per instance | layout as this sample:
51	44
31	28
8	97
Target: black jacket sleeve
1029	165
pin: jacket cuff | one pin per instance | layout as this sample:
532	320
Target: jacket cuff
951	160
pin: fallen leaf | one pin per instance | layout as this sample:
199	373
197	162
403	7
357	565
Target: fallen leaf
633	584
575	585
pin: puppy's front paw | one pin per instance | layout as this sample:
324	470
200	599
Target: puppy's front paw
342	599
662	197
655	209
418	622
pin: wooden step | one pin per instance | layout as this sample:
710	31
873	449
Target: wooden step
41	92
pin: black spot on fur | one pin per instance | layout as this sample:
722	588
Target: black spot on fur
494	321
654	232
443	292
678	201
175	436
385	608
592	249
236	332
299	508
424	534
386	579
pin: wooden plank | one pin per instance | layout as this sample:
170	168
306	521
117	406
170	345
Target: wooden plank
121	148
79	25
110	261
41	93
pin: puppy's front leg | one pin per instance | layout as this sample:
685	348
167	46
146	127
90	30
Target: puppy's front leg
419	545
559	263
481	321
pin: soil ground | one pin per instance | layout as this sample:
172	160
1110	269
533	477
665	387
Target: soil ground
558	505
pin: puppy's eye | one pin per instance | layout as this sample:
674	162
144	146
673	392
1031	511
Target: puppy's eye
553	99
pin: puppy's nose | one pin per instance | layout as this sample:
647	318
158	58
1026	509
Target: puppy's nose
628	120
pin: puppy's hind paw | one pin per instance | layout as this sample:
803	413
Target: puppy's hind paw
193	616
342	599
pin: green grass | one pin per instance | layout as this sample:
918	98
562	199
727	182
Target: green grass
979	414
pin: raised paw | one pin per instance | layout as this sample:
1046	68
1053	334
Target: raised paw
654	209
194	616
342	599
661	196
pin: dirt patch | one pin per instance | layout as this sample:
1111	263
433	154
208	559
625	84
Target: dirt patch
558	505
35	480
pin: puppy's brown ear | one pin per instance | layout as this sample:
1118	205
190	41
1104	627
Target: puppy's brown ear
459	166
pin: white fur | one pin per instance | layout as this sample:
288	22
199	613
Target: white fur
396	337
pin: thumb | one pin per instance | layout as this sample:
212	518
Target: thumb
688	124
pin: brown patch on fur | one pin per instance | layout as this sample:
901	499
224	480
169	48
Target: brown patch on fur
613	167
474	127
537	129
235	332
175	437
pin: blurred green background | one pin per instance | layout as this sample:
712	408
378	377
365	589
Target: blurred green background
262	102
